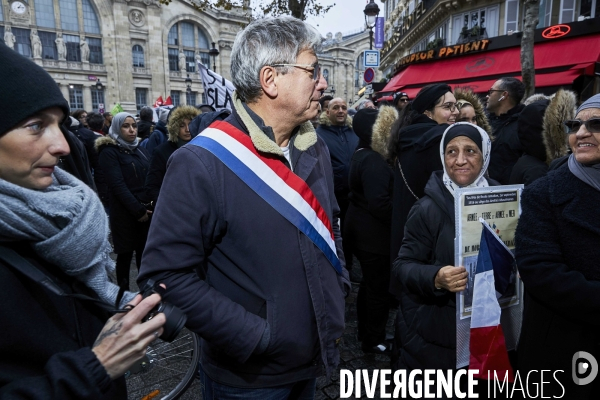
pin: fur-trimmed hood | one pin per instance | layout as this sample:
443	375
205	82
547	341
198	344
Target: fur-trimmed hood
324	120
304	139
561	108
536	97
104	141
468	95
176	118
382	129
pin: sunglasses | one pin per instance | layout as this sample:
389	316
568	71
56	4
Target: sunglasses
403	100
592	125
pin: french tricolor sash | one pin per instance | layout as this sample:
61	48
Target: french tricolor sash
268	177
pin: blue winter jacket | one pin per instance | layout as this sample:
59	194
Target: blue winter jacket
341	142
258	267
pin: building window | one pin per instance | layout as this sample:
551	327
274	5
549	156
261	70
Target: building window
359	71
48	45
90	21
190	60
44	13
190	98
545	13
95	45
141	98
73	49
512	16
23	43
475	25
175	97
326	75
97	98
204	98
589	9
192	39
173	38
138	56
75	97
567	11
1	19
173	60
68	15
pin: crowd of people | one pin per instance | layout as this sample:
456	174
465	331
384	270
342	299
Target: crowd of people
253	217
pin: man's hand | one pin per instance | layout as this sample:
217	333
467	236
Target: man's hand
145	217
124	339
451	278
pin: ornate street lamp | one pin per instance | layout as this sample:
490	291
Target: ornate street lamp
214	52
99	85
332	91
371	12
188	84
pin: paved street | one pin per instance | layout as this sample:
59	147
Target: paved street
351	355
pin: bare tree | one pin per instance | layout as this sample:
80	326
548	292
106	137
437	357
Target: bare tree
530	21
297	8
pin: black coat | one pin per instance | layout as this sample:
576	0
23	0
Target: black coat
158	169
427	315
419	156
368	220
558	253
46	340
506	146
125	173
527	169
341	142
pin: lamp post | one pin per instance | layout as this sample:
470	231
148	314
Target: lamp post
99	85
188	88
214	52
371	12
332	91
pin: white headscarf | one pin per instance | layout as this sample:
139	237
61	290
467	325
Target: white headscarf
486	144
115	131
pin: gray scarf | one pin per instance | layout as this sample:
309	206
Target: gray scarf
115	131
588	174
67	227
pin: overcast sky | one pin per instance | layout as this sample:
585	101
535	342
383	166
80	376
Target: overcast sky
346	16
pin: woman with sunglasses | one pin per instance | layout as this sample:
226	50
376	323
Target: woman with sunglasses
125	165
558	253
471	109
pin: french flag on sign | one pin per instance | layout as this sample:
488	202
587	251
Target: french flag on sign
487	347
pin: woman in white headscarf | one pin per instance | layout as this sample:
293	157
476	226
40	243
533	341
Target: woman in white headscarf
125	165
424	266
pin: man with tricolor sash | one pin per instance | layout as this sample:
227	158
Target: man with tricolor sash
245	234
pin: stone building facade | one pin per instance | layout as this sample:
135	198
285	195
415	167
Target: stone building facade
103	52
137	50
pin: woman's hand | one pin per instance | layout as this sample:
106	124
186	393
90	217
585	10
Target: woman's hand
145	217
124	339
451	278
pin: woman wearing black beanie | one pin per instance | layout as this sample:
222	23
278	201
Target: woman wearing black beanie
54	345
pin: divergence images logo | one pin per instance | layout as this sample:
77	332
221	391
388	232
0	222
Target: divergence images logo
480	64
584	364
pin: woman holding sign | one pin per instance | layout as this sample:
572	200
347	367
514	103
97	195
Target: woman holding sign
424	266
558	256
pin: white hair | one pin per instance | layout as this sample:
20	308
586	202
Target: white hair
268	41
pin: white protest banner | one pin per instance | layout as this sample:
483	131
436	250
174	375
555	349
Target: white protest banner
219	90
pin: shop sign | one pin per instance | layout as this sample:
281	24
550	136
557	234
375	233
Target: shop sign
556	31
445	52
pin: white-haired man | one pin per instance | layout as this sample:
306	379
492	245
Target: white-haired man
260	225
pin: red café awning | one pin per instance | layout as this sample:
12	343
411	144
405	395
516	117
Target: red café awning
480	71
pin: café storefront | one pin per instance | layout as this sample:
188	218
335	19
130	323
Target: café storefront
566	55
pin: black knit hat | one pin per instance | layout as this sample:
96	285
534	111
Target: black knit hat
362	123
26	89
427	97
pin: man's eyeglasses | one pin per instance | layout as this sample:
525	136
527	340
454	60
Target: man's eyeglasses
592	125
449	106
315	68
494	90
